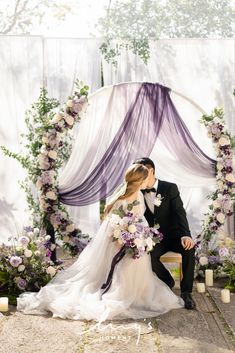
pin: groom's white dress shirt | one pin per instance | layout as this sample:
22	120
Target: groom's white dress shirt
150	196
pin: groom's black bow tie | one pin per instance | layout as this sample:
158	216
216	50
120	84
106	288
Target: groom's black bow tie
150	190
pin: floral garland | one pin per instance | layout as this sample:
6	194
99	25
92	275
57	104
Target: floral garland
47	183
223	198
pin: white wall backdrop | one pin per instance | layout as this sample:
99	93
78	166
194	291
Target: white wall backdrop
26	63
202	70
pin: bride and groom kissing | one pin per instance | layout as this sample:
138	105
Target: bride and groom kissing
140	288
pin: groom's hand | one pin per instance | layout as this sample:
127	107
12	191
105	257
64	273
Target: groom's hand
187	243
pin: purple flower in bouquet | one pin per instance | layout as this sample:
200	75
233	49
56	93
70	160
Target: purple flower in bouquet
223	252
15	261
126	236
21	283
48	253
139	227
24	240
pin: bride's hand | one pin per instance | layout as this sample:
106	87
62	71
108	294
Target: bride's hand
118	245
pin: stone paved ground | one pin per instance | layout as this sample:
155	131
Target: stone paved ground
179	331
204	330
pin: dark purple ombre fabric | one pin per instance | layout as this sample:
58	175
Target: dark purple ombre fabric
150	115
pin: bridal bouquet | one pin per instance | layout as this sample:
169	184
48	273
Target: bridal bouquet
130	232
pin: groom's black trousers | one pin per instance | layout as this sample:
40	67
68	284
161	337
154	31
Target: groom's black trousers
188	263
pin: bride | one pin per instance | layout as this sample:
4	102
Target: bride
135	292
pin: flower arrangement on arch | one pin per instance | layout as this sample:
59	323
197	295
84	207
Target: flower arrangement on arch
221	256
25	265
223	198
130	232
221	259
47	182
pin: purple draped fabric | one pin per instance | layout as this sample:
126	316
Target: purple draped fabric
136	137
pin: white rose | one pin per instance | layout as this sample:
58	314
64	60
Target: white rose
47	237
51	270
132	228
21	268
69	103
228	242
45	139
203	261
37	253
56	118
28	253
36	231
139	243
224	141
52	154
38	184
70	228
219	166
216	204
51	195
220	184
220	217
149	243
66	239
61	123
116	233
42	157
52	173
230	177
69	120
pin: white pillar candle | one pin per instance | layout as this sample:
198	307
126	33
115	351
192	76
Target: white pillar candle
209	278
3	304
225	295
201	288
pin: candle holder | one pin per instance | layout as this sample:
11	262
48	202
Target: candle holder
4	304
225	295
201	288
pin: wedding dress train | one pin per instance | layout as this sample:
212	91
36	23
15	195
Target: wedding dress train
75	293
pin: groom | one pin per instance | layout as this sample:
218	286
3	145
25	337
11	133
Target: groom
165	207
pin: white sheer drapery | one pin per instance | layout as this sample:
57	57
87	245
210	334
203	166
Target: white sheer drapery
26	64
201	69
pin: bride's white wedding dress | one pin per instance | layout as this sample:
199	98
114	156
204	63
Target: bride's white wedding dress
75	293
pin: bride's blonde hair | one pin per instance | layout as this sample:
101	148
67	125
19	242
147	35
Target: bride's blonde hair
134	177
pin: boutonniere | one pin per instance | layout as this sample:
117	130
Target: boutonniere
158	200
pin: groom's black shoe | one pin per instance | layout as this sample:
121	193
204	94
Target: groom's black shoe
189	303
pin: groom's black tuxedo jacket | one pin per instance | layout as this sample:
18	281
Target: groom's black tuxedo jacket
170	215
